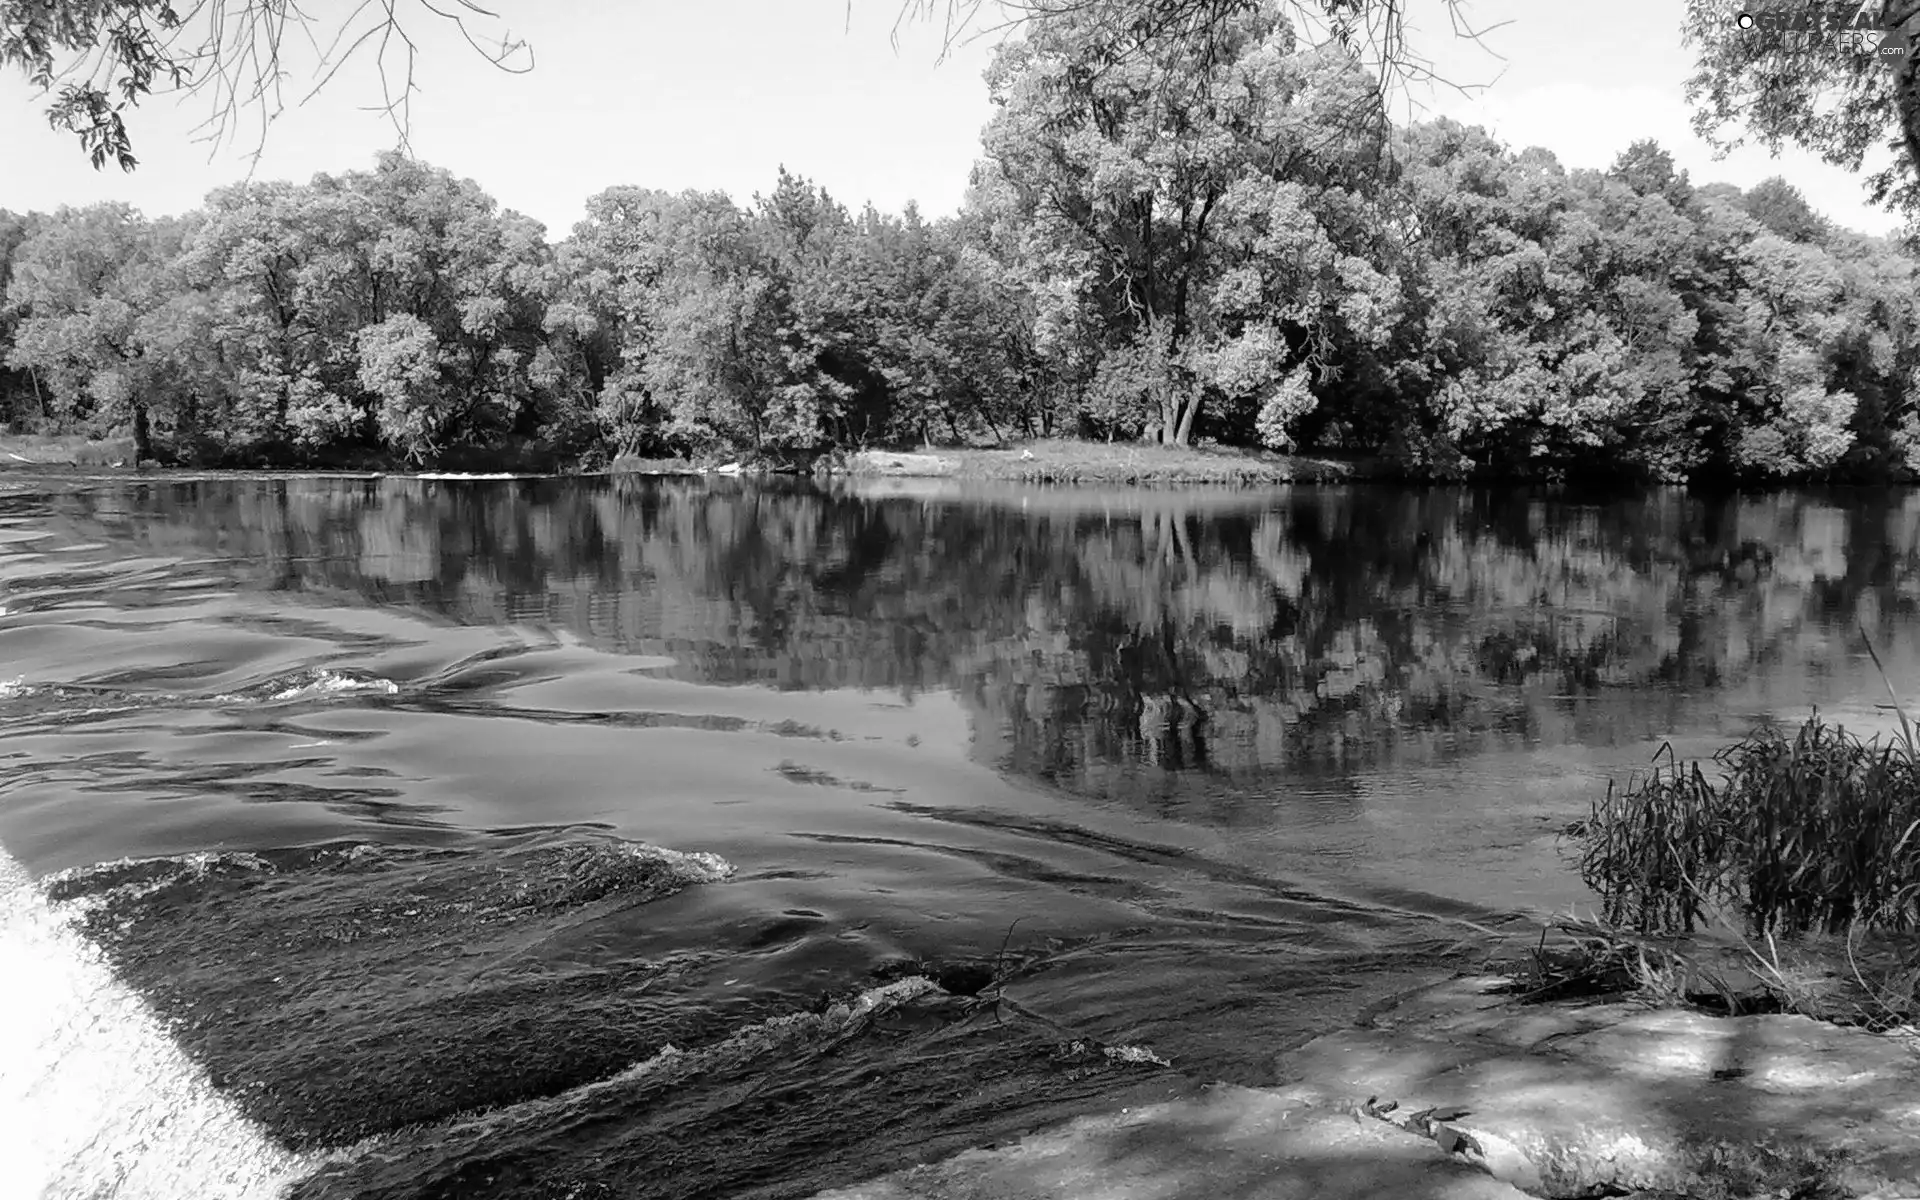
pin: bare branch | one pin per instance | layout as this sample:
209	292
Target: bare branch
233	54
1374	30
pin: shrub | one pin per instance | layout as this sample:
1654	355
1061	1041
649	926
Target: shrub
1814	832
105	452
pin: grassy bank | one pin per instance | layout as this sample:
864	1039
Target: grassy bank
71	450
519	456
629	464
1062	461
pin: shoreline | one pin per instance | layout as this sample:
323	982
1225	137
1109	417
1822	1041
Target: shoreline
1058	462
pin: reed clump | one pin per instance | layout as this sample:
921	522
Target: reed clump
1817	832
1806	847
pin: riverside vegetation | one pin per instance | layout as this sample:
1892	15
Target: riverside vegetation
1205	238
1803	855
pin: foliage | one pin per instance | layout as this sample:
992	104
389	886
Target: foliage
1183	214
1816	832
1201	231
1810	78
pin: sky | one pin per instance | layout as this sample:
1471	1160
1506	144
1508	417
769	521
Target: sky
718	94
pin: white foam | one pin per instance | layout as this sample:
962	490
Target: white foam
190	866
320	683
96	1101
329	684
695	866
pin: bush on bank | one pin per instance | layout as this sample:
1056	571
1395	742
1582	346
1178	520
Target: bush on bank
1803	850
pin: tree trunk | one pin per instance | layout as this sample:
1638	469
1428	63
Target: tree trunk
1906	94
1176	426
142	434
1190	409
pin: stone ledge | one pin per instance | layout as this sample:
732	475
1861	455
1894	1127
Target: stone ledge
1480	1099
1229	1143
1625	1097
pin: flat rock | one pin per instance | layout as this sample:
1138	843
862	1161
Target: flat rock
1626	1097
1228	1143
1479	1097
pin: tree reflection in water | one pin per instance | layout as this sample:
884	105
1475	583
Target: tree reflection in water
1171	648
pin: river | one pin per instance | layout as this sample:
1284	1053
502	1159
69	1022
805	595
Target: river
587	837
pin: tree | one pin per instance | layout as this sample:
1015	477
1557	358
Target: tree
718	356
1810	76
1782	208
83	283
1805	74
691	312
1196	195
1649	170
1372	31
328	305
21	397
100	59
612	271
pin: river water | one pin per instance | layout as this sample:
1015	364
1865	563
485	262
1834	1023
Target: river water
702	838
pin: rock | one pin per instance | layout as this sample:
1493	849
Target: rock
1618	1096
1457	1092
880	462
1228	1141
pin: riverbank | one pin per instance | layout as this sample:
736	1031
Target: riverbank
28	451
64	450
1049	461
1055	460
1062	461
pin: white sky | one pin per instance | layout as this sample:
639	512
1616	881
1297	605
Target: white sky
719	93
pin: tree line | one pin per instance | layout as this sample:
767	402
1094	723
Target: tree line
1212	237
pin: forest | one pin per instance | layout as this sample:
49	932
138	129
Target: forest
1204	240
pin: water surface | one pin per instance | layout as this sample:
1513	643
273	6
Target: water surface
433	812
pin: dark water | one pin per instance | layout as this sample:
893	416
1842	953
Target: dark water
533	837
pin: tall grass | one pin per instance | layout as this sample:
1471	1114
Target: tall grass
1815	832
